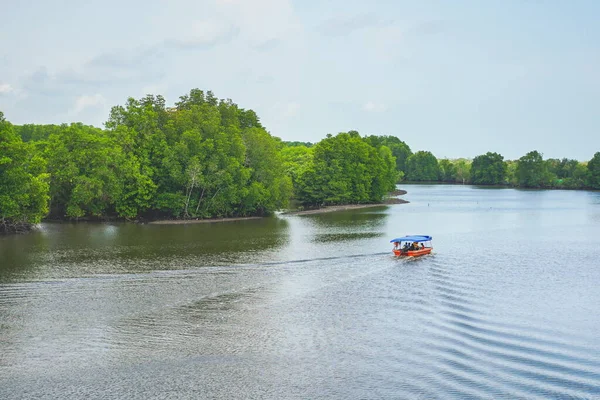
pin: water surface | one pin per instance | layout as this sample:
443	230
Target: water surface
312	306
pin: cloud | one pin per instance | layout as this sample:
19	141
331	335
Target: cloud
127	58
374	107
204	35
267	45
41	82
431	27
342	25
209	45
148	64
6	88
87	101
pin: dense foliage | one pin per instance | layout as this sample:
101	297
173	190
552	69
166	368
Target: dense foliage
203	158
532	171
206	157
488	169
594	171
23	182
422	166
399	149
345	169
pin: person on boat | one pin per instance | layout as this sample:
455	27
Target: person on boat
396	245
415	246
422	246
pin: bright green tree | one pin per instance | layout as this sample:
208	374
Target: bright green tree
84	166
23	182
270	188
400	150
203	158
345	169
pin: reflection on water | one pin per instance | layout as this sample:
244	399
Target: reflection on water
367	218
72	250
312	306
343	237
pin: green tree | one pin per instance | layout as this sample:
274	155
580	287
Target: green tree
400	150
593	168
203	158
532	171
271	189
447	171
23	182
35	133
567	173
295	160
140	129
579	178
463	170
422	166
488	169
297	144
511	169
345	169
84	165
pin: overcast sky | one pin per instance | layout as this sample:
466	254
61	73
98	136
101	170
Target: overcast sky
455	77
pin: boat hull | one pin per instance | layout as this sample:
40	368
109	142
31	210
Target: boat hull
413	253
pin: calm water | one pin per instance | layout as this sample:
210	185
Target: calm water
313	306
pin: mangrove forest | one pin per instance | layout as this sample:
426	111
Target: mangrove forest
208	158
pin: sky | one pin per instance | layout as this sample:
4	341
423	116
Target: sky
458	78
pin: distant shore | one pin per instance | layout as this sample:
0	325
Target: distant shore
326	209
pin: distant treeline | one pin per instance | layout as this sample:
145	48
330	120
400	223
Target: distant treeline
206	157
529	171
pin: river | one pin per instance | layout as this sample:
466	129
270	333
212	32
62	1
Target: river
314	306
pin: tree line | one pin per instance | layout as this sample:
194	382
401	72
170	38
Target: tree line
206	157
203	158
529	171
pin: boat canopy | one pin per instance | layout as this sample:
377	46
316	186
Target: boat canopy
412	238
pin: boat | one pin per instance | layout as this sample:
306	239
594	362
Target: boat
412	245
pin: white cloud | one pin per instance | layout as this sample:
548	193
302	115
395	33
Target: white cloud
85	101
374	107
261	21
6	88
342	25
205	34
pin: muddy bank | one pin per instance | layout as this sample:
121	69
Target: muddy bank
326	209
199	221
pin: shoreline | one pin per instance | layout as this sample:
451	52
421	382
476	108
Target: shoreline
198	221
322	210
328	209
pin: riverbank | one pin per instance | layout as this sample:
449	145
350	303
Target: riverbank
199	221
326	209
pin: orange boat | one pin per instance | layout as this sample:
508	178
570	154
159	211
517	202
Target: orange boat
412	245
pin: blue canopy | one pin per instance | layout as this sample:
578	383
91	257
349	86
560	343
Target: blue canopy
412	238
